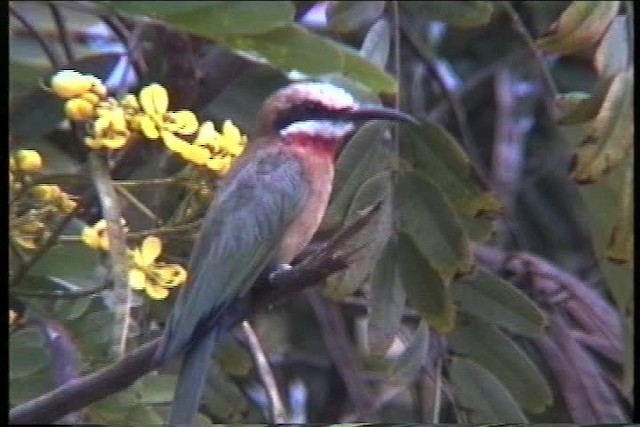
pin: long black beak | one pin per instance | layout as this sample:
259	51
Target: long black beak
376	112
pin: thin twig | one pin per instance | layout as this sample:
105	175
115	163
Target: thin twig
518	25
437	403
44	43
80	293
118	247
62	31
138	204
339	348
278	412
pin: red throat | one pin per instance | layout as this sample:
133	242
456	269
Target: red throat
317	144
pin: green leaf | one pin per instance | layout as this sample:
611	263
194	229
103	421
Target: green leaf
603	203
493	350
360	69
291	47
406	367
234	359
27	352
142	415
612	55
377	43
84	272
346	16
370	241
458	13
387	300
485	398
72	309
95	328
577	107
362	157
610	135
581	25
426	216
620	247
222	397
215	18
435	154
157	388
426	291
492	299
26	388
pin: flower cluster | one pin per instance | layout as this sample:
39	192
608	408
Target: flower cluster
29	216
145	273
113	122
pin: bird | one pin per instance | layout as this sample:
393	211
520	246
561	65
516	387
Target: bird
266	211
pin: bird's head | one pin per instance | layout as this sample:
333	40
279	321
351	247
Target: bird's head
319	112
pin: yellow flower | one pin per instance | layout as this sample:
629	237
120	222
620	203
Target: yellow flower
67	205
28	232
27	161
154	101
96	236
46	192
208	136
70	83
154	278
78	109
220	163
231	140
109	129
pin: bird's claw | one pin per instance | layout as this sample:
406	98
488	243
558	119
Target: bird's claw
279	268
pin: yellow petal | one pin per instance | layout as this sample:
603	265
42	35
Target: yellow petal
174	143
233	148
137	279
90	237
150	249
185	121
148	127
154	99
113	143
91	98
28	160
217	163
207	136
230	131
68	205
156	292
130	102
70	83
171	274
118	121
78	109
195	154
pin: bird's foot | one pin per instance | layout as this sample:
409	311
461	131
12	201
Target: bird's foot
279	268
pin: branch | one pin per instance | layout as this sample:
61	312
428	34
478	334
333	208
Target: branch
77	394
117	246
341	352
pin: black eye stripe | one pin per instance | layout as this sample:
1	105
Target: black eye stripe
305	111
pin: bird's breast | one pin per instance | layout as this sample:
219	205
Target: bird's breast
318	171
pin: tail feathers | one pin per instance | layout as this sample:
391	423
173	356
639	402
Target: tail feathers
191	381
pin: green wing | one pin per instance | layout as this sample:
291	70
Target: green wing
241	232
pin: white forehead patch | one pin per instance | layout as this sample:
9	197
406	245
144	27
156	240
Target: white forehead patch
322	128
325	93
